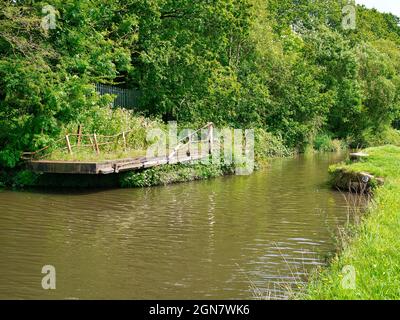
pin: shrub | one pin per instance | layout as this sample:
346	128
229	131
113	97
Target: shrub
385	137
268	146
25	178
325	143
168	174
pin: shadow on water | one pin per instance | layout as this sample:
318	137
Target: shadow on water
216	239
67	191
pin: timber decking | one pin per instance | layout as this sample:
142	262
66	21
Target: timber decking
109	166
182	153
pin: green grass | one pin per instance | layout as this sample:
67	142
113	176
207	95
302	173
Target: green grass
374	250
90	155
382	162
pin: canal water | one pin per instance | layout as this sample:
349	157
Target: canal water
228	238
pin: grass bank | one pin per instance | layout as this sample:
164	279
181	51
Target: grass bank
176	173
373	249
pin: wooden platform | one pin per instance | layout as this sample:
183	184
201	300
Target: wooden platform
109	166
183	152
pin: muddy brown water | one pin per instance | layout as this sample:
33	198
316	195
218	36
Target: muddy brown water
227	238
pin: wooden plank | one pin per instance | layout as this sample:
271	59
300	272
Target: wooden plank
127	166
63	167
358	156
105	167
155	163
173	160
108	170
186	159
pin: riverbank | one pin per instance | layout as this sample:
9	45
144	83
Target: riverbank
161	175
371	258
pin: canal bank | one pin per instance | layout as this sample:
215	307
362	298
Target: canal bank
161	175
368	266
185	166
212	239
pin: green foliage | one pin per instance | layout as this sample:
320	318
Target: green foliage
109	122
4	178
338	72
324	142
24	178
379	73
268	146
168	174
47	77
389	136
285	66
9	158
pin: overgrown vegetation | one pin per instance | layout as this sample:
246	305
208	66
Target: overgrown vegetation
173	174
374	245
284	67
324	142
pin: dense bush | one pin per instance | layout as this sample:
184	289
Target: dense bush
324	142
268	146
389	136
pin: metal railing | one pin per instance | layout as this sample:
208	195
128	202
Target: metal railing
125	98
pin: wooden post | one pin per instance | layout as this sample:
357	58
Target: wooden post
124	139
188	153
96	145
79	135
91	142
116	143
211	138
68	144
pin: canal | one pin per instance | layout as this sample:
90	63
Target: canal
228	238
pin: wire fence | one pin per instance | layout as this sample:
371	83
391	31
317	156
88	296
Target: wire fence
72	143
75	142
